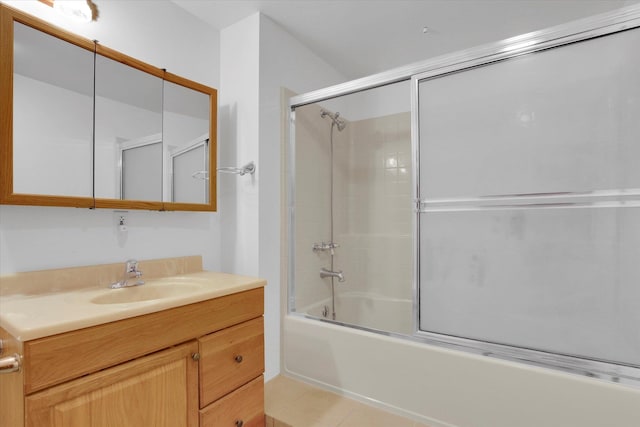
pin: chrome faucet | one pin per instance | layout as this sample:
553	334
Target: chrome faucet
130	271
328	273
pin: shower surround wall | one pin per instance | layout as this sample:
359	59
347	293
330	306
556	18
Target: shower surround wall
374	198
313	203
371	210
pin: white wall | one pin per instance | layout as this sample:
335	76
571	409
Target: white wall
257	59
239	116
34	238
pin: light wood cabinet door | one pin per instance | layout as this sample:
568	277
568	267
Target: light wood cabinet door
159	390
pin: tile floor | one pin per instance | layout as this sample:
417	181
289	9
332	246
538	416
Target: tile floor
292	403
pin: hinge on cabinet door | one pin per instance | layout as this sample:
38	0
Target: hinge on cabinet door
419	205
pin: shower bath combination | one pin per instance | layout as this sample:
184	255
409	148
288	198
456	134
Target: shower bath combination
340	124
465	254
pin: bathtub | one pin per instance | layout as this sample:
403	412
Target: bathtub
443	387
370	311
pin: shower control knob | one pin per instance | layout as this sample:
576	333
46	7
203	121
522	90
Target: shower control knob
238	358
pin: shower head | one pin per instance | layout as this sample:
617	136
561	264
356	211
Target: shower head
340	124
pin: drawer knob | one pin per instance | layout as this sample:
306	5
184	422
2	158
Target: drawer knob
195	356
239	423
238	358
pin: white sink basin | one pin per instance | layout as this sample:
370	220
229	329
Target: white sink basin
29	317
146	292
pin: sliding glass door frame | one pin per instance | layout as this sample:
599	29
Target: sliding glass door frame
556	37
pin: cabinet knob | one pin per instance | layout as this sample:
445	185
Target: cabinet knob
238	358
239	423
195	356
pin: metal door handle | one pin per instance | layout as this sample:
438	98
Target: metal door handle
10	364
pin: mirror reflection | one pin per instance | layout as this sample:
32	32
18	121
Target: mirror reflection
141	169
128	132
52	115
186	142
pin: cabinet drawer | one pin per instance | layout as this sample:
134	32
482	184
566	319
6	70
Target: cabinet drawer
230	358
242	408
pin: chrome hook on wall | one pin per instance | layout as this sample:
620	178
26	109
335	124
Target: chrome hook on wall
249	168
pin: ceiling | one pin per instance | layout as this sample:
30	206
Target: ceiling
363	37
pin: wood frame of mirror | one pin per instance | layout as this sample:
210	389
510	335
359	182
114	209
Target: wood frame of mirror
8	16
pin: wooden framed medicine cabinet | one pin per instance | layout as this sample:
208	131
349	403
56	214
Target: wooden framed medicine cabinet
86	126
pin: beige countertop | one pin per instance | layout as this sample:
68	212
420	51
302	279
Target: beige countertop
31	316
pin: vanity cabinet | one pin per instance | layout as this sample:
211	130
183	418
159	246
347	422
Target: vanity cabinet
199	364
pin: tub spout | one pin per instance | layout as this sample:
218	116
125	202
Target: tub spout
328	273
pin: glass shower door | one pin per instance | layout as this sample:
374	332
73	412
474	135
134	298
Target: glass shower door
352	241
529	201
141	173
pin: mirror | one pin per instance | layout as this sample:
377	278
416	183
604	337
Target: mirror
128	132
87	126
52	115
186	141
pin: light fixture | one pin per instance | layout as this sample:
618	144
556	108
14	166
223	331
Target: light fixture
79	10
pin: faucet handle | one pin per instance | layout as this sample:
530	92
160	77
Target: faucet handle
131	266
